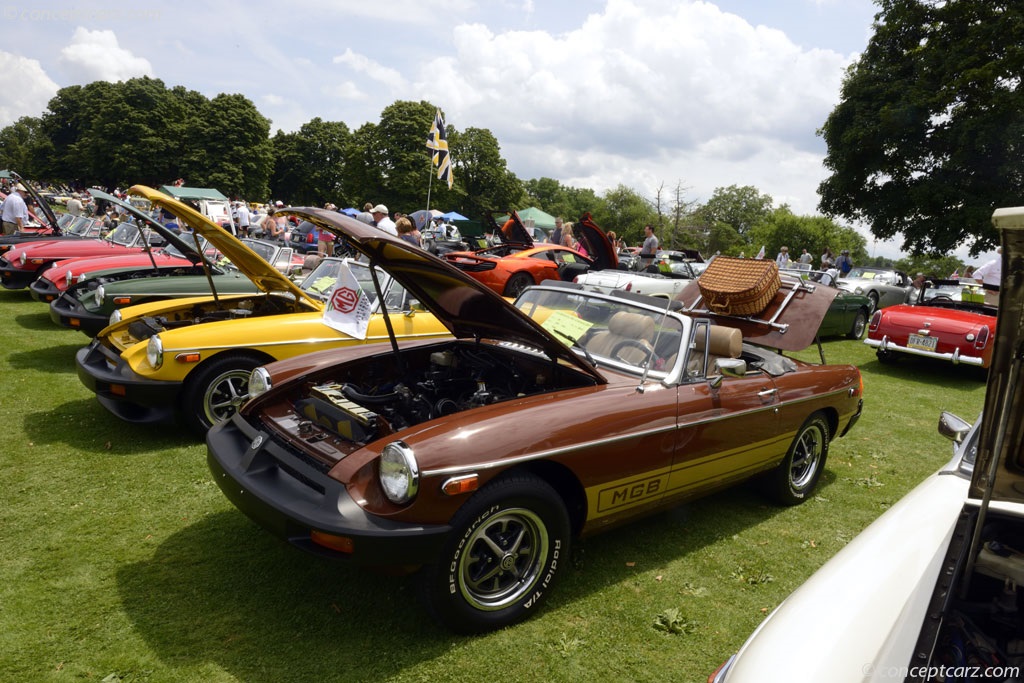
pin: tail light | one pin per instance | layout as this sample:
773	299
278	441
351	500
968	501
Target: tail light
875	320
982	341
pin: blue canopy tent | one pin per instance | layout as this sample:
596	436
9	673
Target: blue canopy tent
350	212
453	216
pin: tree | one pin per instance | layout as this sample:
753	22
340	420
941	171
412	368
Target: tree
926	139
741	207
229	147
22	146
784	228
626	212
309	164
484	182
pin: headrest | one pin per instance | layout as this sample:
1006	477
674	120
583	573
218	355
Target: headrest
724	341
633	325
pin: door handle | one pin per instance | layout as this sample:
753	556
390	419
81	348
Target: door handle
767	393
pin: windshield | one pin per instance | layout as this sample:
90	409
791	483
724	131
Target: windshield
321	280
84	227
952	291
886	276
608	331
204	246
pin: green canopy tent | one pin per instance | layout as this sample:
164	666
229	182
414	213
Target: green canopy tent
541	219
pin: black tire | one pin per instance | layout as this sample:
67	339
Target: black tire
860	323
872	302
795	479
508	544
517	283
215	391
886	357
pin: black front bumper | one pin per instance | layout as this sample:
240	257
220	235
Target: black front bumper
69	311
121	391
16	278
290	498
43	290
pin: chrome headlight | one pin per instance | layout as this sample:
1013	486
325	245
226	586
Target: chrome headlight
69	278
155	352
23	259
858	290
115	317
399	473
259	382
97	296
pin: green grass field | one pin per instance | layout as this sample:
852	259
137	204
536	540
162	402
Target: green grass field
122	561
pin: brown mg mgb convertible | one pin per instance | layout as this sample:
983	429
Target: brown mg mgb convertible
480	459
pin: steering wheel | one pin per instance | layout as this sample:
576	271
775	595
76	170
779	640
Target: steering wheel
636	344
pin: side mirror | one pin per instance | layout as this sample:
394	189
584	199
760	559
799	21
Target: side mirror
731	367
953	428
414	307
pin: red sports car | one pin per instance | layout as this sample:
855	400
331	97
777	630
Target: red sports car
951	321
23	264
518	262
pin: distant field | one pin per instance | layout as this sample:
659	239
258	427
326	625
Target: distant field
122	561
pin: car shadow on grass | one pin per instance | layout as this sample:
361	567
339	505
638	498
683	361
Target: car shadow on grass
84	425
58	358
42	321
222	590
929	370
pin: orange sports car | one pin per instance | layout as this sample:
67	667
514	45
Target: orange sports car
517	262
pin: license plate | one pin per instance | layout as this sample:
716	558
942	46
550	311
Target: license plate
916	341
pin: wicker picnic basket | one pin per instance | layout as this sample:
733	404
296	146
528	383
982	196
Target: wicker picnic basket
739	286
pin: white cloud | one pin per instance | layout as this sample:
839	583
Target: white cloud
96	56
386	76
26	88
647	93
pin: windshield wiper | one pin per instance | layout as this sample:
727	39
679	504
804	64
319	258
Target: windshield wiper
576	344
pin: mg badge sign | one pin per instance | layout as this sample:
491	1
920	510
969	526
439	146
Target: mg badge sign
348	307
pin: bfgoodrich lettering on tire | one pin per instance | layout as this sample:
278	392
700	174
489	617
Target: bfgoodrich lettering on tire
508	544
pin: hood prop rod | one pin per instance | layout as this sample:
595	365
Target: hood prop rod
387	318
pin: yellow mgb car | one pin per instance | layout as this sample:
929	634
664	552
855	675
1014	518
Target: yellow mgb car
190	359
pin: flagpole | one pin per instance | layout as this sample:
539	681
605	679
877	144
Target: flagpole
430	180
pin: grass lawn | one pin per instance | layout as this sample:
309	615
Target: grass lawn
122	561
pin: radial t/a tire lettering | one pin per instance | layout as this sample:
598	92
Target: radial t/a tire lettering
508	544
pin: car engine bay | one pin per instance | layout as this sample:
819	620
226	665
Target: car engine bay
370	398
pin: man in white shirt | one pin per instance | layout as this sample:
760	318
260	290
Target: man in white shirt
15	212
989	274
244	219
381	220
75	206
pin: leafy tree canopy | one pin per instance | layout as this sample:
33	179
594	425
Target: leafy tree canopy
926	139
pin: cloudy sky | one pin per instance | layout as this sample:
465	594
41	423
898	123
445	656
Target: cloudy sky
594	93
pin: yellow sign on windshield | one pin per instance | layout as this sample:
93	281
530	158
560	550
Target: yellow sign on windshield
566	326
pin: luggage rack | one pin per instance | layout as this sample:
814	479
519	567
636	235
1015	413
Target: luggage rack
792	285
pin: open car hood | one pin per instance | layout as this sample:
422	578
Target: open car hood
184	247
43	206
1000	461
265	276
467	308
599	248
512	231
790	322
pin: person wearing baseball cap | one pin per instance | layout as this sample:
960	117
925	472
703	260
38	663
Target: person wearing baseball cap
381	220
15	212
